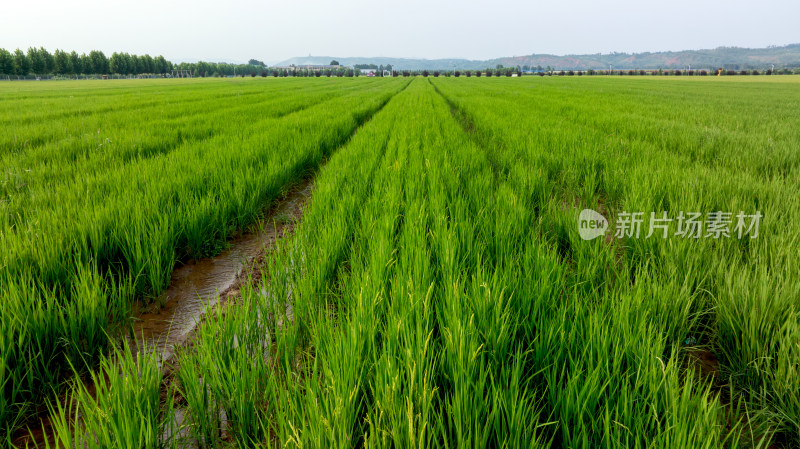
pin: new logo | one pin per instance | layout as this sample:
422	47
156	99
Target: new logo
591	224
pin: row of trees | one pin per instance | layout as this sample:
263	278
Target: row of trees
126	64
348	72
39	61
661	72
215	69
500	71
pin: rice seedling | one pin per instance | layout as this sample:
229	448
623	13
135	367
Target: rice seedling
120	406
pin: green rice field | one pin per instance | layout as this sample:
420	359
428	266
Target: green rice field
437	291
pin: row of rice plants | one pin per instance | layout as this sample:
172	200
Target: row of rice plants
110	236
685	146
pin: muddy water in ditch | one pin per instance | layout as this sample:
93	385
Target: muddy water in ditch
195	286
198	285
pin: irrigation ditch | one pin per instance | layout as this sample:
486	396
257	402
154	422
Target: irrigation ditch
195	288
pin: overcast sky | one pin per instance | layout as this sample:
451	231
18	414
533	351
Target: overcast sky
237	30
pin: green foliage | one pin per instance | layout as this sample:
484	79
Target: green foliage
121	407
436	291
21	63
6	62
95	212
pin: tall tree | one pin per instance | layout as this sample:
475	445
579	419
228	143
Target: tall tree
126	64
21	64
135	66
147	64
6	62
74	62
115	63
161	65
99	62
37	63
61	63
87	68
49	62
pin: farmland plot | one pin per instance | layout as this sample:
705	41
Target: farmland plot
439	289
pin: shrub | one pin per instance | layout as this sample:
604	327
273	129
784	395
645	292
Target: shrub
571	73
406	73
252	74
561	73
768	72
743	72
591	72
580	72
263	73
642	73
424	73
631	72
755	72
731	72
489	72
703	73
478	73
457	74
509	72
435	73
678	73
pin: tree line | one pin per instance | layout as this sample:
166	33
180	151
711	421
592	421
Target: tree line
39	61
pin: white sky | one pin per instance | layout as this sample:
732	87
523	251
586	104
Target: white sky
237	30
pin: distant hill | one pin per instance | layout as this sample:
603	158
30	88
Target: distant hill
734	58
